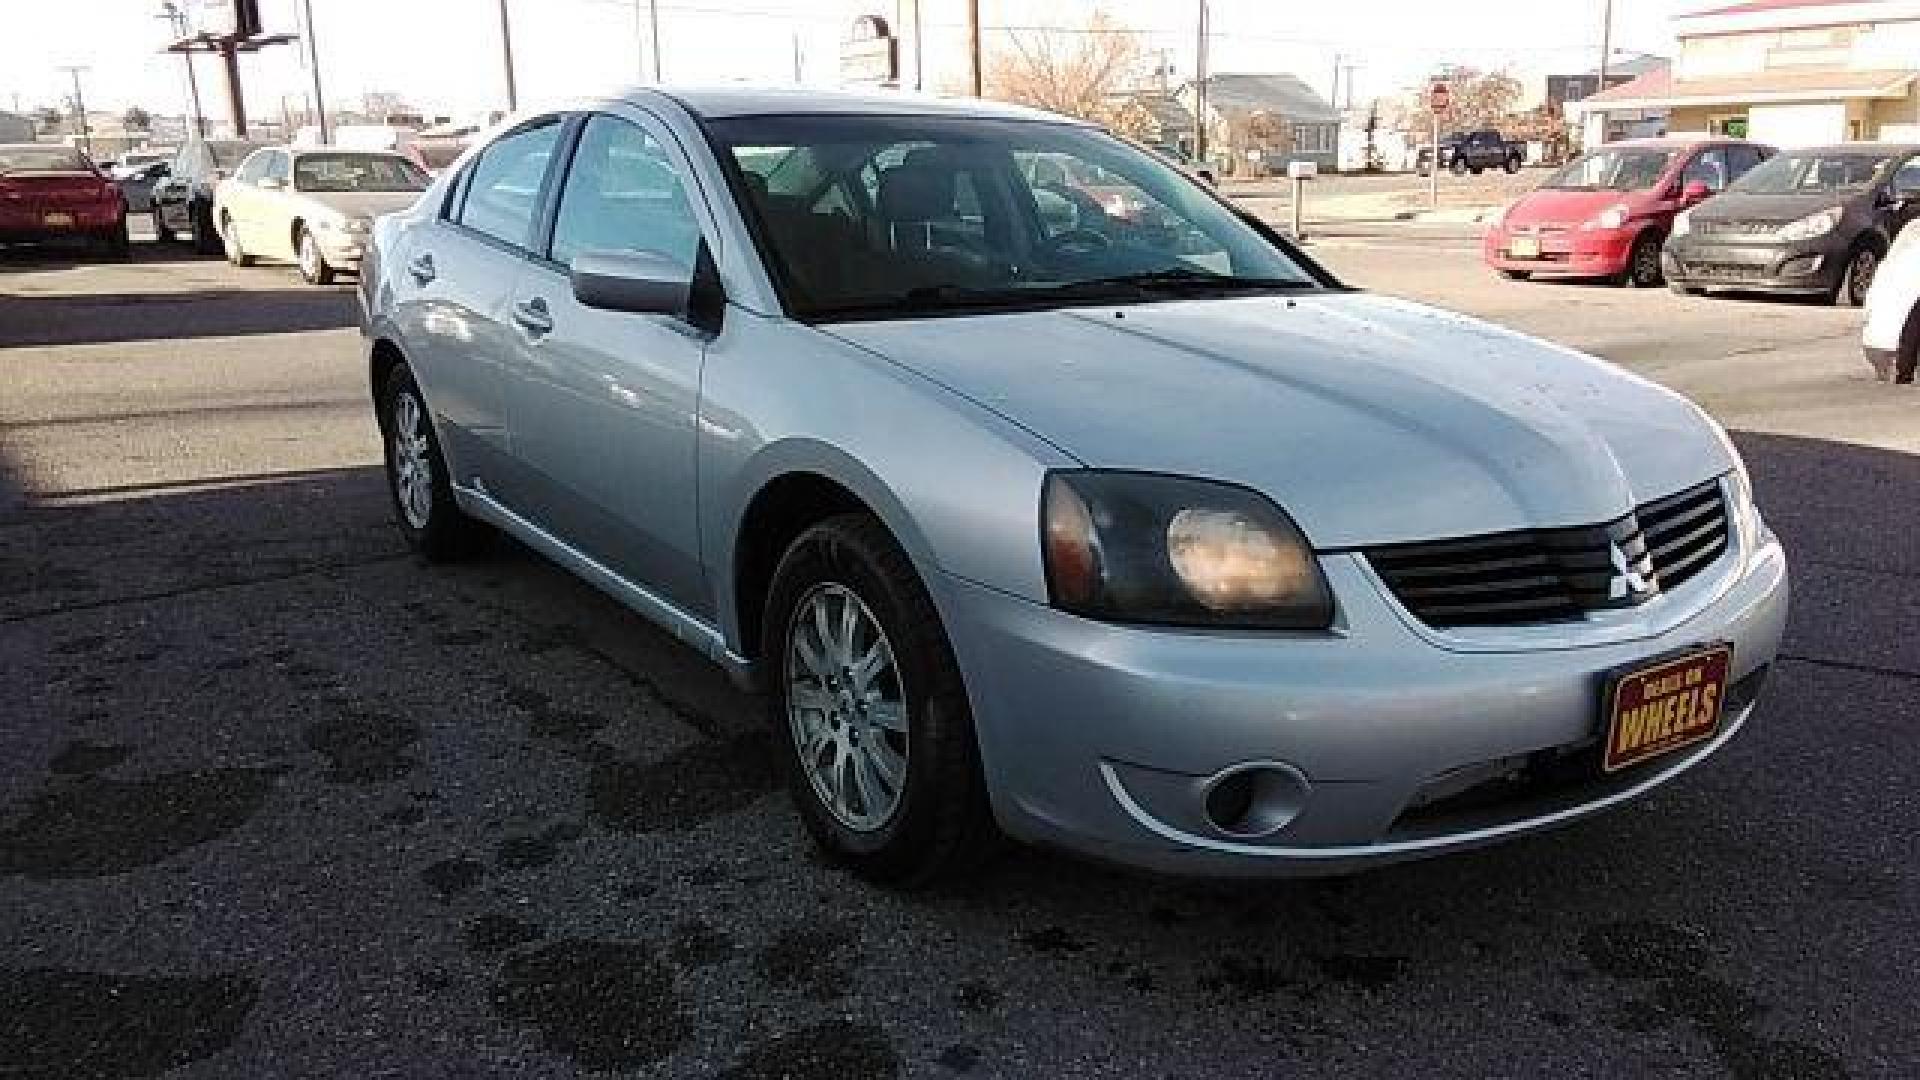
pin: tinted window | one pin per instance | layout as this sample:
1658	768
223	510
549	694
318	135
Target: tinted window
624	193
504	189
1806	173
1742	159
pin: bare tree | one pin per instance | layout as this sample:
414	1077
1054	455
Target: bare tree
1480	99
137	119
1088	71
378	105
49	119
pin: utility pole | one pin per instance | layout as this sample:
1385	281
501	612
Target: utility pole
1350	70
653	13
1606	43
80	105
1333	95
313	62
171	12
973	45
506	57
1200	89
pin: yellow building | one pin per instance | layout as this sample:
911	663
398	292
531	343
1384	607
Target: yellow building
1786	72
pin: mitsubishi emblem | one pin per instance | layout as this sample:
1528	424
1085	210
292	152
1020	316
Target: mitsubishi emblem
1628	583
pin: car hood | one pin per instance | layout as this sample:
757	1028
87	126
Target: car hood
1565	208
1746	206
361	204
1371	420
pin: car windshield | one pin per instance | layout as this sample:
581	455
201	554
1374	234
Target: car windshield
356	172
868	215
228	155
19	159
1612	170
1806	174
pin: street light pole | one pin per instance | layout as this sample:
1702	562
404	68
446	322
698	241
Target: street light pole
313	62
171	12
653	13
506	56
1606	43
80	106
1200	90
973	46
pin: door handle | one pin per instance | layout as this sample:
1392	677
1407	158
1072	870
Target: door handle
533	317
421	268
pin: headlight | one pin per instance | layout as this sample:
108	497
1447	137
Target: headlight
1136	547
1683	224
1811	226
347	225
1611	218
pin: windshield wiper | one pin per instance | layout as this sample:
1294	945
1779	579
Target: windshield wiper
1184	280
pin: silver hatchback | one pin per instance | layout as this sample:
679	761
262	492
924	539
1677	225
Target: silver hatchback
1061	502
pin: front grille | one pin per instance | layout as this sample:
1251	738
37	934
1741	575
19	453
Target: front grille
1558	575
1726	271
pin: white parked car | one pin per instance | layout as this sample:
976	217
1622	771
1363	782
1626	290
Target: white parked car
311	206
1892	336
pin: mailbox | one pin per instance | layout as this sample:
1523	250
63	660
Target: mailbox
1303	170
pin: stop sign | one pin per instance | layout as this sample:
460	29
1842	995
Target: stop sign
1439	97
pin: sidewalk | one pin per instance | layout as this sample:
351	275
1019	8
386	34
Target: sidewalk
1384	199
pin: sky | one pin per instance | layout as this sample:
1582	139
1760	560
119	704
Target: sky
444	55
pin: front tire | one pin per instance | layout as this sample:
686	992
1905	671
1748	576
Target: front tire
206	239
1459	166
230	240
870	710
1512	166
1643	264
418	478
313	263
1863	263
161	233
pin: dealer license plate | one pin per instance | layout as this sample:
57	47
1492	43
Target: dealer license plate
1524	247
1660	708
57	221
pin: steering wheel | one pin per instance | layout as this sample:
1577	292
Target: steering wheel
1074	239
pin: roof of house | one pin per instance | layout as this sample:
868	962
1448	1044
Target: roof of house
1660	90
1636	67
1751	7
1166	111
1274	92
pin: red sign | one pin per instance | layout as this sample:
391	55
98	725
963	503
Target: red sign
1440	97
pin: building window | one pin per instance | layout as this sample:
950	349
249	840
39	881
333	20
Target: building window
1313	139
1730	125
1823	47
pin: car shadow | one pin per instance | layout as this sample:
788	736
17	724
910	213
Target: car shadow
102	317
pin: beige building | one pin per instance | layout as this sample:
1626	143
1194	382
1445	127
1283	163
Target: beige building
1786	72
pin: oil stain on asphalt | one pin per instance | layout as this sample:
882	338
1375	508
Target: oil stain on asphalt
80	1025
705	781
364	748
1671	960
82	758
836	1049
605	1004
97	826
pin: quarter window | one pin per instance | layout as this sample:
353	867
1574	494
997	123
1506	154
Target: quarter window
503	194
624	193
276	167
255	168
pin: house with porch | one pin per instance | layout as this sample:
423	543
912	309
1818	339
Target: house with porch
1787	72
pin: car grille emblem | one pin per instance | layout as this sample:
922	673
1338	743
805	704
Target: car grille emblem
1628	582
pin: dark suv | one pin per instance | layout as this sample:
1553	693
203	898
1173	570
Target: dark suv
1815	222
1475	152
183	202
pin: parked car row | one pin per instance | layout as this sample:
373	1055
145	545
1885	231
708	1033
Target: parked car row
1715	214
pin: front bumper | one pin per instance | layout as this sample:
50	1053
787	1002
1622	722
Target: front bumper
1805	268
343	250
1563	252
1103	739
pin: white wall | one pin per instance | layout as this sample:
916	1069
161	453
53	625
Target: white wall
1798	125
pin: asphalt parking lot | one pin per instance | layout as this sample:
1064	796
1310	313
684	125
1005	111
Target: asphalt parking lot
277	800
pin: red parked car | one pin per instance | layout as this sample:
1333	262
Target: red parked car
1607	212
50	192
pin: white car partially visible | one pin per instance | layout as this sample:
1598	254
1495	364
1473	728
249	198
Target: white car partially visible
1892	336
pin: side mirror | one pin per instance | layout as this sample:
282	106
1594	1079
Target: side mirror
639	282
1695	192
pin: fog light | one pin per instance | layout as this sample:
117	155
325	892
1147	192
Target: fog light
1802	266
1252	801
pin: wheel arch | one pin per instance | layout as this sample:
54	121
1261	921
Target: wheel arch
382	358
294	228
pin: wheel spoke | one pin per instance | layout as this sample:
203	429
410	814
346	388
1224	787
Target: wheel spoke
808	697
870	665
890	715
823	632
815	664
866	784
848	638
889	766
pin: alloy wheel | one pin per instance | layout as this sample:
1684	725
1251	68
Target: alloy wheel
846	707
1860	273
310	263
412	466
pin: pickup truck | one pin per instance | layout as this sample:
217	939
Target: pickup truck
1475	152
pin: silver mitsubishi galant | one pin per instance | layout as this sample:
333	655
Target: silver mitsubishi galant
1045	494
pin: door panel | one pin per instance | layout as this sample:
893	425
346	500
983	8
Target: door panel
603	403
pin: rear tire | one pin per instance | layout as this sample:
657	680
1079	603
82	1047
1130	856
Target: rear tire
1516	275
161	233
1512	166
935	823
1459	165
418	477
115	244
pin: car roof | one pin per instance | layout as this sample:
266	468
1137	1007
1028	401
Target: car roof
1863	148
731	101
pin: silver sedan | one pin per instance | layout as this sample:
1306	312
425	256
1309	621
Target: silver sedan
1061	503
